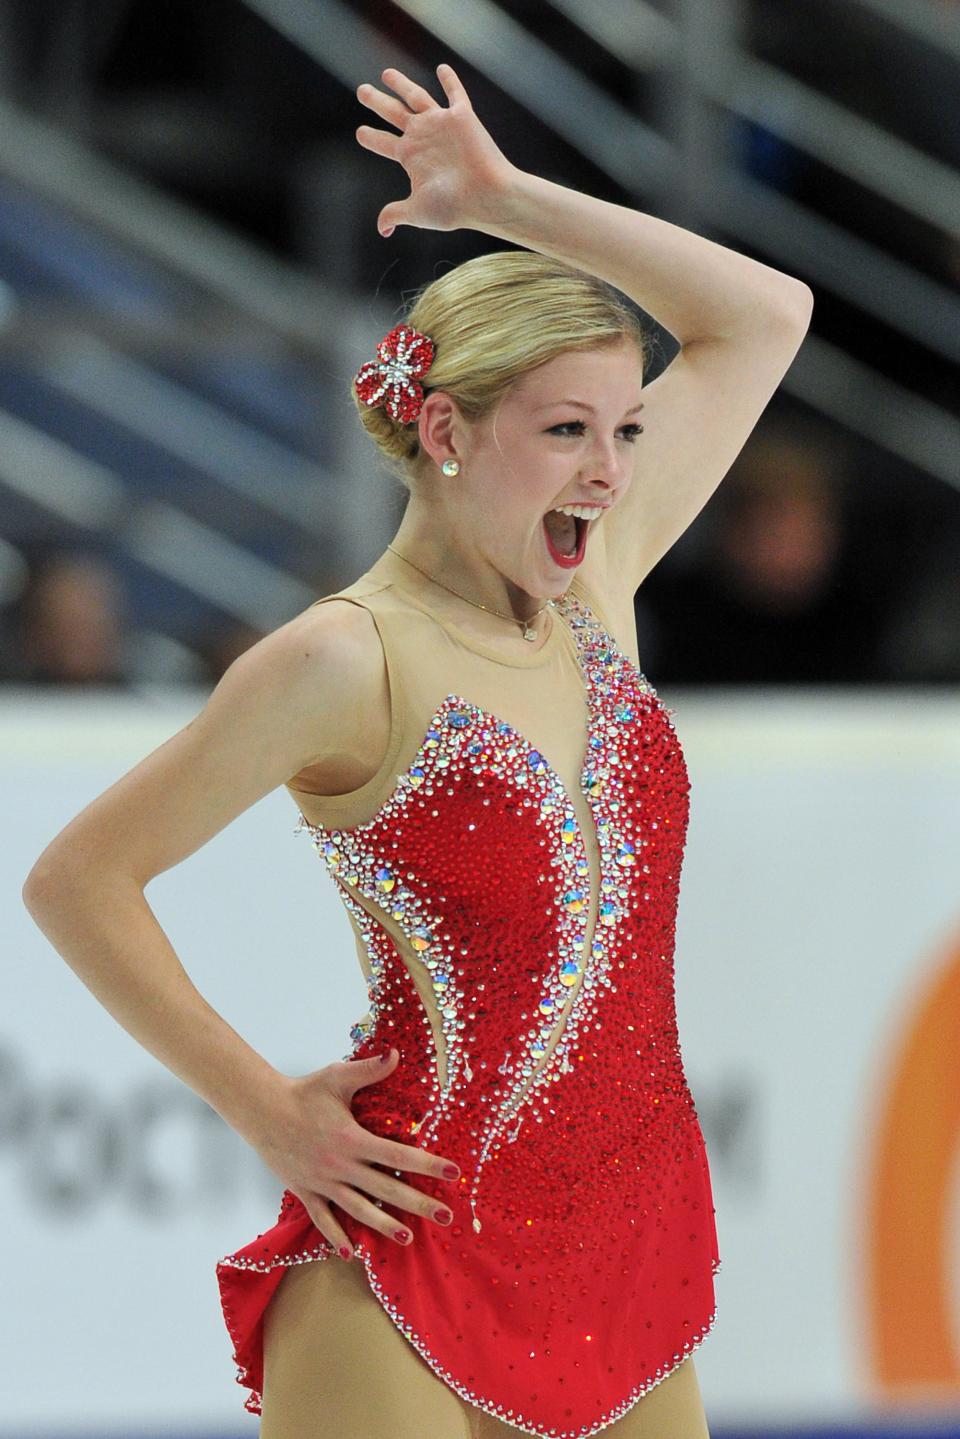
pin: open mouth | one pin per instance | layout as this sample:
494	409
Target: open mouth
566	537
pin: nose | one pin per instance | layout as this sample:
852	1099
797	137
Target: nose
605	467
602	476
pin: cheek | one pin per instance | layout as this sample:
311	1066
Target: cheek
520	498
631	474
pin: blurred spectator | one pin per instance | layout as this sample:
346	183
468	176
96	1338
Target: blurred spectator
774	595
67	625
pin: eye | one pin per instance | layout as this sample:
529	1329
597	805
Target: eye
631	431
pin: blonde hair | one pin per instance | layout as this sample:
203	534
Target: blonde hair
492	319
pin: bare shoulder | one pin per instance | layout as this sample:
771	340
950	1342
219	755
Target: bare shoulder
291	700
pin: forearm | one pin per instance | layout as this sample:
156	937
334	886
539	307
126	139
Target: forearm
694	287
102	925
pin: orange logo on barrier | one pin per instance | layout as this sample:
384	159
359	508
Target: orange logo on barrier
912	1344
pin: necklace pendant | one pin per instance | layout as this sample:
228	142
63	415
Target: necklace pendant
529	633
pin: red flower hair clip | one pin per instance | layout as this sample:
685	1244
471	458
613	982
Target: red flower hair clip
391	380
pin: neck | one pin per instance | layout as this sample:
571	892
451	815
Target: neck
449	560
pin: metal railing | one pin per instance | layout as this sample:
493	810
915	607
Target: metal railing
91	497
234	286
688	167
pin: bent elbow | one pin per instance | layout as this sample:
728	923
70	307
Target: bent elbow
800	307
40	885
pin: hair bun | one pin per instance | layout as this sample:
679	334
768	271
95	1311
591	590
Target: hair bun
477	329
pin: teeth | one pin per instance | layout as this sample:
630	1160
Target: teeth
583	512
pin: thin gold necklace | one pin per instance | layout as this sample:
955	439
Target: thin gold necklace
529	633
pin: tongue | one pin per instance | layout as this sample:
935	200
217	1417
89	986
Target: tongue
563	531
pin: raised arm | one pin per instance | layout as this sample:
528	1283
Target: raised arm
739	322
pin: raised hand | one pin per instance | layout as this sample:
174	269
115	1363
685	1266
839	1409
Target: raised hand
457	174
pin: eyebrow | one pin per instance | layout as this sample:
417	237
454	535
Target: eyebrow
582	405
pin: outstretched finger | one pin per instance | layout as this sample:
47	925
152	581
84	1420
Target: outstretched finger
452	84
415	96
387	106
379	141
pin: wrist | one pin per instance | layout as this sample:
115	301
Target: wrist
504	199
265	1104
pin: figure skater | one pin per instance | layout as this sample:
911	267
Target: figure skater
508	1163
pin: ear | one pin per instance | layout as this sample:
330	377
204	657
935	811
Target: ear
440	427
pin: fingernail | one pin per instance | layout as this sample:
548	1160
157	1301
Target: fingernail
344	1252
451	1172
385	1058
442	1216
403	1236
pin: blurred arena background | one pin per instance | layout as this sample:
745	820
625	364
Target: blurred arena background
190	273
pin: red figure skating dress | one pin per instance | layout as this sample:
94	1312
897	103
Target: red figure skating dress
511	874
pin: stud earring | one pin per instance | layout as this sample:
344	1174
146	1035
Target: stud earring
451	467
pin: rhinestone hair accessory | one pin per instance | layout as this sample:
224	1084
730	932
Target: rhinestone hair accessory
393	379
